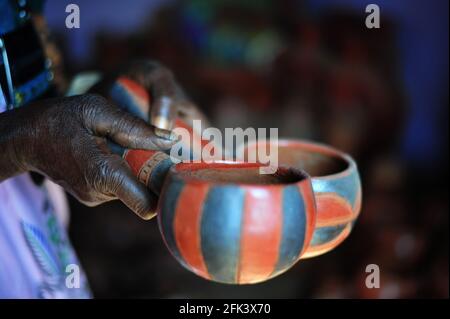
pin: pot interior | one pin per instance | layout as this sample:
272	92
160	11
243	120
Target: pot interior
315	161
238	173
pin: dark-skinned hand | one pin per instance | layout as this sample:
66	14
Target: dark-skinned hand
168	100
65	140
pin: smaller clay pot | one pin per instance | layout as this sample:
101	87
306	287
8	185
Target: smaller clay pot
225	221
336	185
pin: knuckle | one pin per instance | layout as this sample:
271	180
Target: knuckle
93	99
157	71
147	65
89	199
91	105
89	196
131	128
105	177
163	72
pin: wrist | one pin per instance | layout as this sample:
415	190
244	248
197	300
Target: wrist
13	145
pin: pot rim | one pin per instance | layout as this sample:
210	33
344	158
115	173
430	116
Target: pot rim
315	147
301	176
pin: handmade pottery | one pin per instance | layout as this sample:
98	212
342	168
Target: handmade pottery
132	97
336	185
225	221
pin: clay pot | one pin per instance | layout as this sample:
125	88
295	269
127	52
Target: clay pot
225	221
336	185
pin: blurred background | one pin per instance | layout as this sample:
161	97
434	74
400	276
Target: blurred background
312	69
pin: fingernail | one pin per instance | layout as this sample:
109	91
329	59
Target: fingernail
166	134
149	215
161	122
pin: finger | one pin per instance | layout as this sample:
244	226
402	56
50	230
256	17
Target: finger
169	101
123	128
164	91
125	186
154	77
163	113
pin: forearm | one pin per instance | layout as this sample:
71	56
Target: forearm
10	141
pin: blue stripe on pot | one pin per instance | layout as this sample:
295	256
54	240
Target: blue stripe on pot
323	235
125	100
294	227
221	232
168	210
159	173
346	186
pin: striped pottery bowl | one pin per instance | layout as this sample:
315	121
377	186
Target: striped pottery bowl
336	184
227	223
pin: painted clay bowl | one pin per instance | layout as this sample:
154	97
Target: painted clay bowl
336	184
226	222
